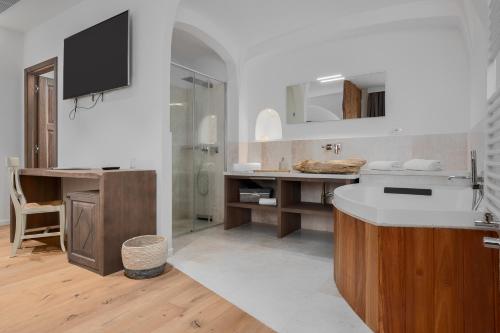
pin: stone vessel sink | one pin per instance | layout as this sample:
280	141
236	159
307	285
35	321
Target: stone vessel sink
330	167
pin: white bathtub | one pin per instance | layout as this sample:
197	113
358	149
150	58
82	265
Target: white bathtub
448	207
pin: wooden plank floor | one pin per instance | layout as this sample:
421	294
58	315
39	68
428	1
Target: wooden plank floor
41	292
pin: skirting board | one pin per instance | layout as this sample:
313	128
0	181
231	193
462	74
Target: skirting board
4	222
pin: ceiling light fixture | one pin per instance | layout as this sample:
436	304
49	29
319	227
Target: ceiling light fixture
341	78
323	78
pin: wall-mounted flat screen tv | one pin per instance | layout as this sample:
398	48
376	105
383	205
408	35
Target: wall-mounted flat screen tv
98	58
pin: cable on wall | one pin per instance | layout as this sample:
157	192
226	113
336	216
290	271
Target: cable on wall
72	113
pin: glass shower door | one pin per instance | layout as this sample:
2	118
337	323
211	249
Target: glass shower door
197	118
181	125
209	124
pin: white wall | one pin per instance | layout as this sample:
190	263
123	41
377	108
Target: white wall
427	82
477	37
11	51
132	122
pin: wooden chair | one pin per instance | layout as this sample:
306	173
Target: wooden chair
23	209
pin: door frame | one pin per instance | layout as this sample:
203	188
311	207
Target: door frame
31	109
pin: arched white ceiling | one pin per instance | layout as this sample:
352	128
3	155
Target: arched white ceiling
264	26
203	27
258	20
189	51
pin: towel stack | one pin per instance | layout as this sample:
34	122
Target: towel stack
267	201
423	165
385	165
414	165
246	167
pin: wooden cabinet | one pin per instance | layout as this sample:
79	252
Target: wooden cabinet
84	229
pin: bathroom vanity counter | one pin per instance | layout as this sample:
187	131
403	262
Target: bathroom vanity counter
295	175
416	274
287	188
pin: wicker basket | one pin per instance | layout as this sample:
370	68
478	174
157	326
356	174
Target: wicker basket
144	256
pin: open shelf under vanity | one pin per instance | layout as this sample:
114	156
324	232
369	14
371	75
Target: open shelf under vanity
287	190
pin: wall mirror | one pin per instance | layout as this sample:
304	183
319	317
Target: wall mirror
336	97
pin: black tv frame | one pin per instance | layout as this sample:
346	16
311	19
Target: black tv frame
92	93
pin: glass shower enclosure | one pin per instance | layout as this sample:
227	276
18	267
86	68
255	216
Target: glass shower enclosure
197	123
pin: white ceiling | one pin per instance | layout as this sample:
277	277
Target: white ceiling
258	20
27	14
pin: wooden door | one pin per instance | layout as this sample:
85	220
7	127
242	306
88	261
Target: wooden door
40	115
84	230
351	103
47	116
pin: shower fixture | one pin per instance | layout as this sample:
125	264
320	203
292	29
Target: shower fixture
199	82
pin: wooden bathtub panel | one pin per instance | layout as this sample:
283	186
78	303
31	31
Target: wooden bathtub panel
360	268
392	287
417	279
349	266
480	264
372	274
448	296
346	256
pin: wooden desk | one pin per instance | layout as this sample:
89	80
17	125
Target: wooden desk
127	204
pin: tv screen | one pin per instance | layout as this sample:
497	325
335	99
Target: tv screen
97	59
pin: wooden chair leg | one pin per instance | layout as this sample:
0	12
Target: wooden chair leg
23	220
62	227
17	237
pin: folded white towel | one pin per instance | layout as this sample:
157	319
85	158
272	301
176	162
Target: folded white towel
246	167
385	165
267	201
423	165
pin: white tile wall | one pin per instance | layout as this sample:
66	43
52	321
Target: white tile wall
451	149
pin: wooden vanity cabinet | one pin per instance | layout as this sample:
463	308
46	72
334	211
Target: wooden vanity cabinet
84	230
290	206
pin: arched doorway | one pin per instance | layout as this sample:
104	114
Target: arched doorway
198	127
